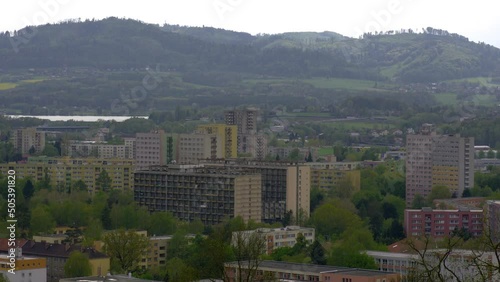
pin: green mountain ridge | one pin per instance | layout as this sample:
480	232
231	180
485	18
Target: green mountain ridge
124	44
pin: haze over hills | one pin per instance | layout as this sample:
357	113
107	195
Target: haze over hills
87	66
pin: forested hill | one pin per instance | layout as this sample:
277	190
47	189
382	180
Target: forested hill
123	44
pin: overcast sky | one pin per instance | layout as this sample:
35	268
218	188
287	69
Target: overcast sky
478	20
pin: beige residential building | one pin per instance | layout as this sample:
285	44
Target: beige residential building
434	160
278	237
279	185
150	149
193	147
298	191
228	135
25	139
82	149
64	172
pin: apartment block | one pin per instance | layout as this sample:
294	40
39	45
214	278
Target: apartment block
434	160
287	271
285	185
228	135
63	172
25	139
401	263
80	149
248	141
279	237
493	220
328	177
189	193
442	223
458	261
191	148
27	268
150	149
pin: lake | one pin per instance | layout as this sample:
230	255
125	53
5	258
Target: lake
79	118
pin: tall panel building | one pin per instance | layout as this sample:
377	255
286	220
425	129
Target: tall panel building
25	139
433	160
249	142
228	135
150	149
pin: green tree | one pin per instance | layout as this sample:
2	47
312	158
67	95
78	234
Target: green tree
93	232
162	223
481	155
77	265
79	185
439	192
103	181
491	154
3	278
247	249
419	202
125	248
41	221
331	219
179	271
294	155
317	253
50	151
28	189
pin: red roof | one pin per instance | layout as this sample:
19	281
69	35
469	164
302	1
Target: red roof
4	244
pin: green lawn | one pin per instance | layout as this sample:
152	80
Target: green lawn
448	99
329	83
485	100
344	83
7	85
360	125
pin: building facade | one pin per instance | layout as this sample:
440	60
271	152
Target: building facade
64	172
190	193
287	271
228	136
191	148
81	149
329	179
442	223
434	160
150	149
280	237
28	269
493	220
286	186
26	139
248	140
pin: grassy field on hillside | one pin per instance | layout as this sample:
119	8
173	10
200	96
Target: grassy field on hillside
7	85
448	99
